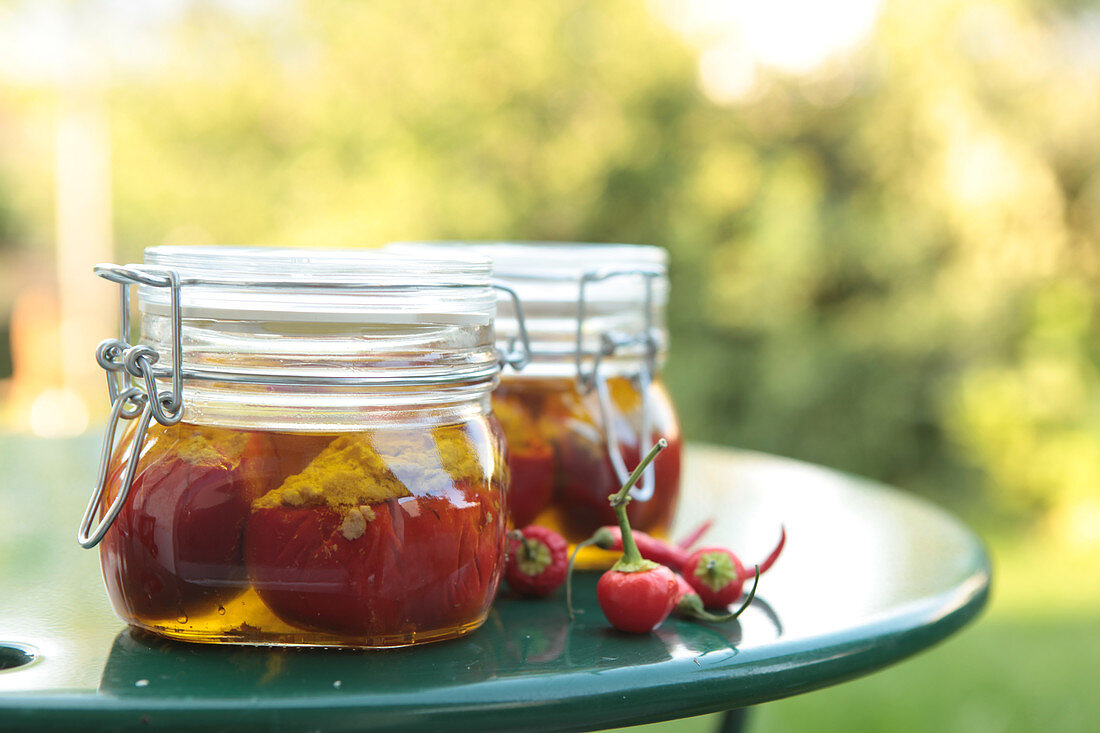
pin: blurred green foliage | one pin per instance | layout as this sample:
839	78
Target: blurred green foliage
887	265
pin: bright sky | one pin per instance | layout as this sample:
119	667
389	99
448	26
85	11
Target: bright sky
737	38
44	40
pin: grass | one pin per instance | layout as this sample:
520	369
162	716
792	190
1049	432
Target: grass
1017	675
1030	664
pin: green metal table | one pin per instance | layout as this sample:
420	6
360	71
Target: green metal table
869	577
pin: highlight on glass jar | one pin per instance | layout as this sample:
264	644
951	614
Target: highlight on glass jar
590	403
300	448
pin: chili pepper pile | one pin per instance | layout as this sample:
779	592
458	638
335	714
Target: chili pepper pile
651	579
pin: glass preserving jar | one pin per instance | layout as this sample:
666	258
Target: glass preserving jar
311	457
590	402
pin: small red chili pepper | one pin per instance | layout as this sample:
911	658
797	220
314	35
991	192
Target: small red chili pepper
683	588
718	576
637	600
690	605
663	552
659	551
636	595
537	559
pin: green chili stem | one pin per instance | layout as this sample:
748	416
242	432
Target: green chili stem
569	573
632	560
752	593
620	496
631	555
526	549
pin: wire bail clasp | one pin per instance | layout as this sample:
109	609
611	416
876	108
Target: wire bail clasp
124	365
610	344
517	358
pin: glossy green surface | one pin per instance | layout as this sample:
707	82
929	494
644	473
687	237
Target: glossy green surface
869	577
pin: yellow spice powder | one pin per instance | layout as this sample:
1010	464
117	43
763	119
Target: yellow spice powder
196	445
519	426
203	447
366	468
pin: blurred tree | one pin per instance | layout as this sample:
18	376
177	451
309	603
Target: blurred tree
12	233
886	262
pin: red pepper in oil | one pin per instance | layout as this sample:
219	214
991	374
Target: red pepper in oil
561	465
175	548
353	545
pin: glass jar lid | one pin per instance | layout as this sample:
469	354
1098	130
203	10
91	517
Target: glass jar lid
295	338
265	284
576	297
548	272
293	316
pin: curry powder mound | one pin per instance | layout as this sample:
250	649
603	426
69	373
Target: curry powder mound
367	468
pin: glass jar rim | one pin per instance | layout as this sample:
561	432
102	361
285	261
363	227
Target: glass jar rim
544	260
256	283
623	277
257	264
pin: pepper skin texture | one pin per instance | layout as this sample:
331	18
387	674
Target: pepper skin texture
532	482
537	565
683	588
408	565
530	462
637	602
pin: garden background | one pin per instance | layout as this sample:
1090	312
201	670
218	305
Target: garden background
883	219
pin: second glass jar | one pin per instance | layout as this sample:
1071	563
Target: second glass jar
590	402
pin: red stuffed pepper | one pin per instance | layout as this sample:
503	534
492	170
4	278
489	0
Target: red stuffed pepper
582	473
175	548
530	463
386	538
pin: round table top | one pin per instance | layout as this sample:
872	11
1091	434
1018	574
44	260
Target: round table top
869	576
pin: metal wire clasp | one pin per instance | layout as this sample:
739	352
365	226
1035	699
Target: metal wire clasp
125	363
517	358
610	343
